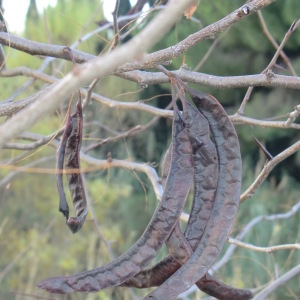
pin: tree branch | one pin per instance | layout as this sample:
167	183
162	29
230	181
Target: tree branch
98	67
269	166
280	281
263	249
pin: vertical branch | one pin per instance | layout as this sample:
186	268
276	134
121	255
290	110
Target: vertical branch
274	43
268	70
116	26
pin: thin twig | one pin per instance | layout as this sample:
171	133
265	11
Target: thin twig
228	254
274	43
292	116
278	282
269	166
116	26
281	46
239	119
150	60
210	50
263	249
130	132
268	70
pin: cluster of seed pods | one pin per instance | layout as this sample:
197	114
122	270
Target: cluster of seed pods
212	165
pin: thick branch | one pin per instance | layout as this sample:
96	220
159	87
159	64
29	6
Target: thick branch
150	60
98	67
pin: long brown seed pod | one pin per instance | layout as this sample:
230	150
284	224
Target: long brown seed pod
156	233
226	202
72	161
69	152
206	166
181	246
60	158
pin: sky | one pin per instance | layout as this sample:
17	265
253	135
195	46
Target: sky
16	17
15	12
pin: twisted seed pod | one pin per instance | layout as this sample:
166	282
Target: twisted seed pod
69	152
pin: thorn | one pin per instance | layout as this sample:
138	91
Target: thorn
268	155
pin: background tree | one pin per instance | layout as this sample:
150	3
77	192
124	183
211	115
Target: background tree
250	65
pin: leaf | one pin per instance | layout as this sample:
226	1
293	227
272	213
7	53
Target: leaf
190	11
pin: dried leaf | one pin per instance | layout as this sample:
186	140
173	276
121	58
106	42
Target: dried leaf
190	11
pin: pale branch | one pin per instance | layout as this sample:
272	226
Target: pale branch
24	71
41	49
228	254
130	132
101	66
268	167
56	51
131	105
102	165
231	249
159	57
129	166
80	40
38	140
133	167
278	282
221	82
146	78
10	108
150	60
263	249
89	92
292	116
238	119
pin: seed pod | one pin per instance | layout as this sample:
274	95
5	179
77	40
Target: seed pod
144	250
69	152
226	202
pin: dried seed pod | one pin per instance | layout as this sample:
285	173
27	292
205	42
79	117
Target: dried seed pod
69	152
72	161
226	202
144	250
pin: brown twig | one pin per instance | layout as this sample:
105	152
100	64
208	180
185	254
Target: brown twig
116	26
274	43
268	70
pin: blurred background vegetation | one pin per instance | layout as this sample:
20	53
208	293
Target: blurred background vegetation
34	241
